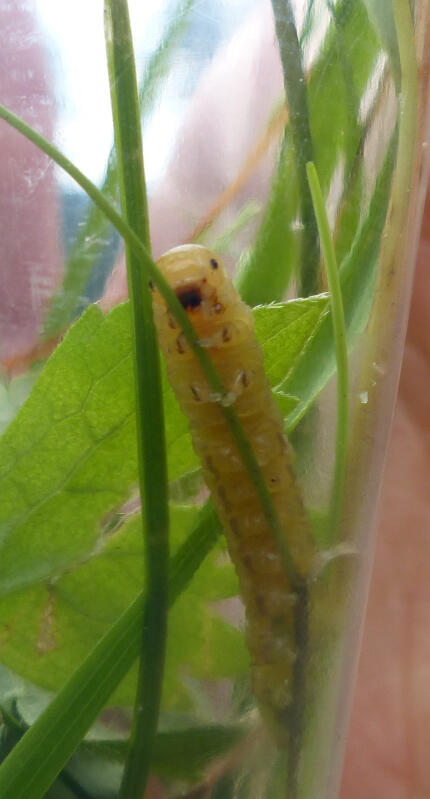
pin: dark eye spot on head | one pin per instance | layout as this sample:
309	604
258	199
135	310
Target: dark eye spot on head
214	263
189	297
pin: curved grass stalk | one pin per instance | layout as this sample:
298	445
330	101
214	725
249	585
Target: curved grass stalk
340	345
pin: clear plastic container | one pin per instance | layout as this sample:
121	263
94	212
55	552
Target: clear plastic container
225	161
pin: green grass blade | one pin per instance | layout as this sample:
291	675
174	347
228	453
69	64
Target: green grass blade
339	333
358	276
297	100
149	402
337	80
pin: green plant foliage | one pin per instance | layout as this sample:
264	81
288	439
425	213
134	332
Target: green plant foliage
49	628
285	330
69	457
358	274
70	564
381	13
71	554
336	86
337	81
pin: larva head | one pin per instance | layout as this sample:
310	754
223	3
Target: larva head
198	279
207	294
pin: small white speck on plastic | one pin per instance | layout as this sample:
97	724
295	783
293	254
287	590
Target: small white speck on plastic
378	369
364	397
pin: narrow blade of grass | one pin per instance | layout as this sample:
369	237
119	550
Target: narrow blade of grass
357	276
296	92
339	333
149	401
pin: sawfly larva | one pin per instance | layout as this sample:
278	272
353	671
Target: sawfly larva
224	325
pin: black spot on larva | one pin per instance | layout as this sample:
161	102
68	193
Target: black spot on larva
151	285
179	345
244	379
189	296
195	393
214	263
226	336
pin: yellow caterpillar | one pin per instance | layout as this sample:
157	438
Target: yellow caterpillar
225	327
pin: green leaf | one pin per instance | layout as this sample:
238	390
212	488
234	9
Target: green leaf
49	629
52	739
284	330
69	457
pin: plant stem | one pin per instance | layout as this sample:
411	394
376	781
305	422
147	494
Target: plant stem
151	445
341	351
297	100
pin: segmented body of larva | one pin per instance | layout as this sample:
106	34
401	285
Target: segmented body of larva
225	328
